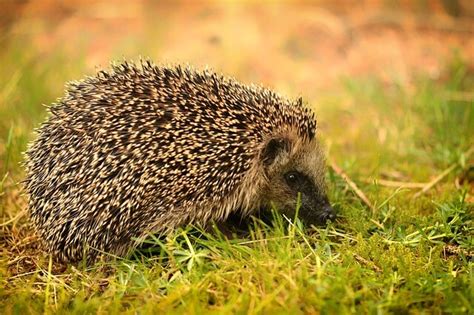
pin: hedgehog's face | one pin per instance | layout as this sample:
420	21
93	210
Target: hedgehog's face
295	173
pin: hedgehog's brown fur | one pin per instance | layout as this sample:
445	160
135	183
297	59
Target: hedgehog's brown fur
145	149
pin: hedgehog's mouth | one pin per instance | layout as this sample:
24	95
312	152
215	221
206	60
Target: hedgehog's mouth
310	211
317	216
315	208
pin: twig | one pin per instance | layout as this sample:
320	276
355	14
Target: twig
351	184
438	178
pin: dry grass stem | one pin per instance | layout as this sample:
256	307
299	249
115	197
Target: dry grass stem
460	96
15	218
351	184
368	263
438	178
393	183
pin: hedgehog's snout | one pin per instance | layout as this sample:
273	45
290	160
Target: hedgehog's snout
317	211
328	213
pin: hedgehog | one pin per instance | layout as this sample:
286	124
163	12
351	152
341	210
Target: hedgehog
143	148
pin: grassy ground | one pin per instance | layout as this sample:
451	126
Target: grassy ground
405	251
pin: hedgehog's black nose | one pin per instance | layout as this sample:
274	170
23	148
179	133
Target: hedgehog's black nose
331	216
329	213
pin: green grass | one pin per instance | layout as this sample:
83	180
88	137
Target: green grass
406	255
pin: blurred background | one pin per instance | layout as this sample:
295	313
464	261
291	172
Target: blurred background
299	47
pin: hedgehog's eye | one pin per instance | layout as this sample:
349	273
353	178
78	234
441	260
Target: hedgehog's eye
292	178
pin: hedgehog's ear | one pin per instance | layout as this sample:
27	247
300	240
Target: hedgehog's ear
273	149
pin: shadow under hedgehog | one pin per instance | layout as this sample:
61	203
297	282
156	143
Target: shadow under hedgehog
144	149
